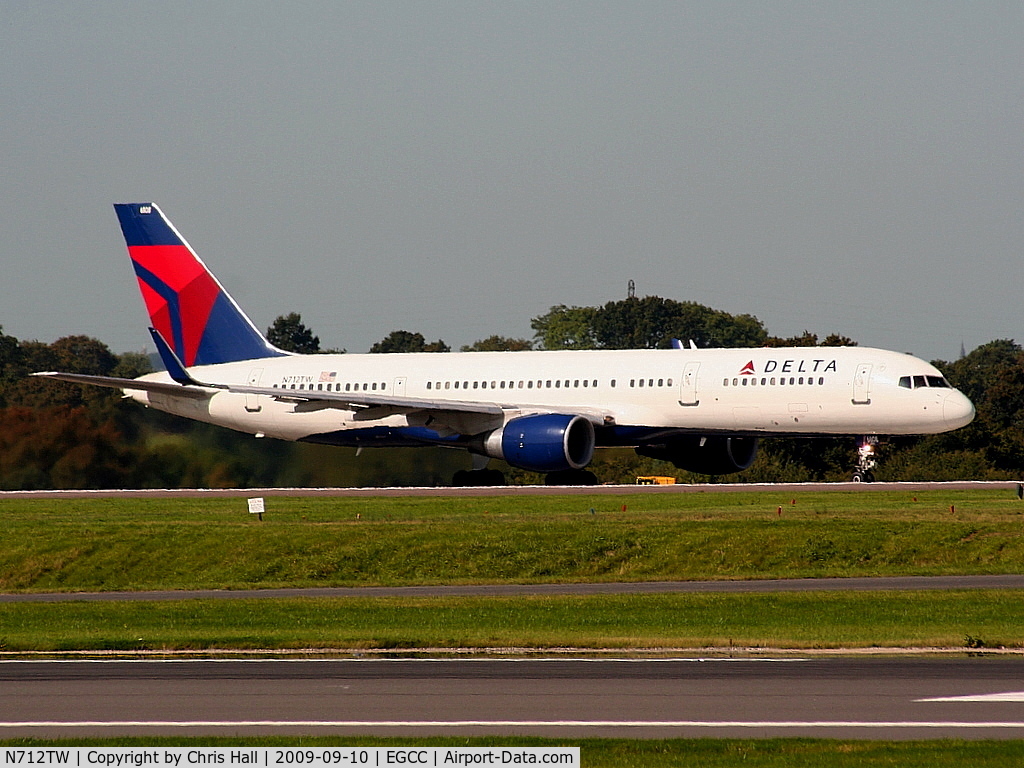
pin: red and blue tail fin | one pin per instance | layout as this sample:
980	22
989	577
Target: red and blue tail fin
186	303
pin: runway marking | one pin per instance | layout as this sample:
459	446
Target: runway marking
854	724
981	697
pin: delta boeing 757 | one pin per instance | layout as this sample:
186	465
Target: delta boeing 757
545	411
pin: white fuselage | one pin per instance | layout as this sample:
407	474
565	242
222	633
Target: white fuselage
627	394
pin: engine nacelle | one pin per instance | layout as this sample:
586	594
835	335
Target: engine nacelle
705	455
547	442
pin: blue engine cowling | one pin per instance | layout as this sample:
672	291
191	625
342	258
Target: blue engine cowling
547	442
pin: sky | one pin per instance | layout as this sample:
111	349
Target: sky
458	168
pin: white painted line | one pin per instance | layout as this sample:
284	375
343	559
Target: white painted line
945	724
981	697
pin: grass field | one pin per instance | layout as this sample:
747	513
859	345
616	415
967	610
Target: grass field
970	620
107	544
102	544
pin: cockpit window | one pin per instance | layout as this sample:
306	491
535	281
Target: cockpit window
915	382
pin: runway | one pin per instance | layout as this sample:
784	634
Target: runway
865	584
521	490
968	698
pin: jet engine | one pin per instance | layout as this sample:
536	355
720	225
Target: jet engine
705	455
547	442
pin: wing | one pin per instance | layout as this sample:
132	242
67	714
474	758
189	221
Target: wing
367	405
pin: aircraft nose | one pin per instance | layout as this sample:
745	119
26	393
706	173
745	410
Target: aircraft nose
957	410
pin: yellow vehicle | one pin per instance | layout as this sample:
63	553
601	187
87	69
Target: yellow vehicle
655	480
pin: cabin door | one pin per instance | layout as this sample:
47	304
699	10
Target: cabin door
252	403
862	385
688	386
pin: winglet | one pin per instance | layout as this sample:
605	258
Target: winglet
170	360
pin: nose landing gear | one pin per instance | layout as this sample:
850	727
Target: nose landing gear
866	461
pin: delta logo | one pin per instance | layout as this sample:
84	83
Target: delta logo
791	366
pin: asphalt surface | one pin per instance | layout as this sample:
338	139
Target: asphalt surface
1010	581
521	490
573	698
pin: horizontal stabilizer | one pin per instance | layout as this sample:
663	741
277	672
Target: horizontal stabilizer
136	385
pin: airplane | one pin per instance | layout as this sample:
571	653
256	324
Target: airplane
703	410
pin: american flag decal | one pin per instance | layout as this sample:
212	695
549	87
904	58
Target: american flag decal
328	376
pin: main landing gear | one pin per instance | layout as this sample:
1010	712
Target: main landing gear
866	461
490	477
571	477
478	477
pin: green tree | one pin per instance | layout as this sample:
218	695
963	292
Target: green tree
648	323
992	376
406	341
808	339
290	334
498	344
565	328
70	354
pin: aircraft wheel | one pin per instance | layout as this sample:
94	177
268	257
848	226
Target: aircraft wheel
571	477
492	477
466	478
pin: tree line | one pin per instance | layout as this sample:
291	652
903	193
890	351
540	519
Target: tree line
59	435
